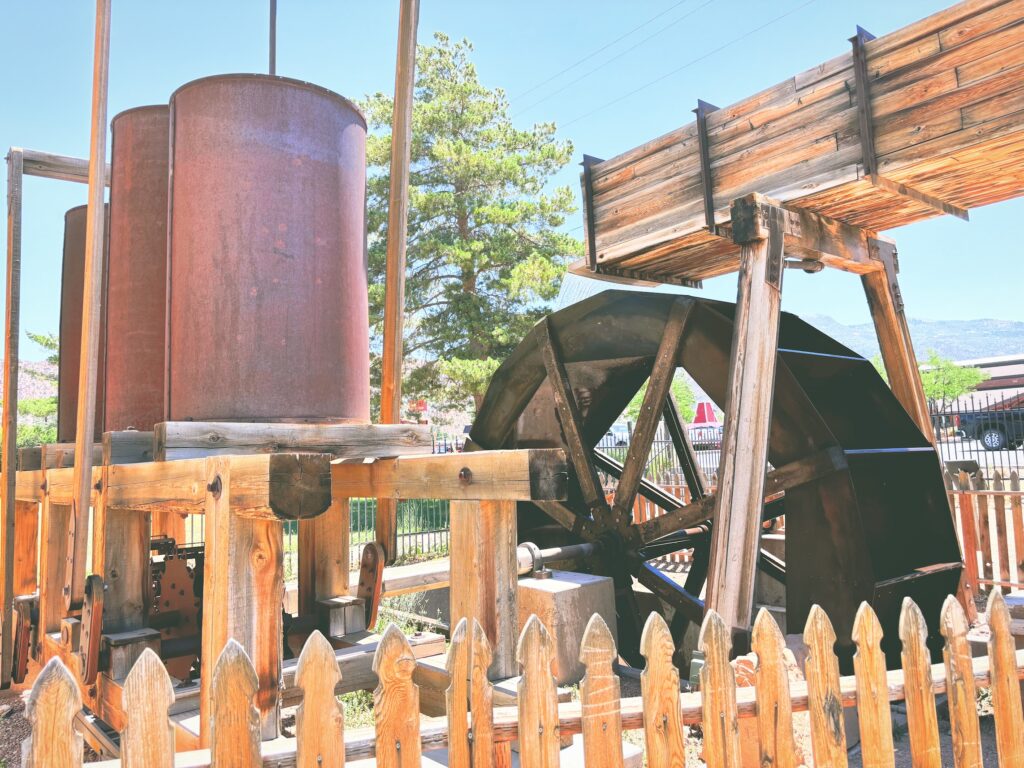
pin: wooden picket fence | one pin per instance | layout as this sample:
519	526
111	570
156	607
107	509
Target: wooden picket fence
987	512
478	734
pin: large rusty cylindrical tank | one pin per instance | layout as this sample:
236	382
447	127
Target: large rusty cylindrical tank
136	309
72	288
267	314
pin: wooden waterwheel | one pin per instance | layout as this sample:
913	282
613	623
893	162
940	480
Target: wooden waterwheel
573	375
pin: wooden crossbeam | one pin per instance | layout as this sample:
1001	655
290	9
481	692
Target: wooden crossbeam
174	440
807	234
477	476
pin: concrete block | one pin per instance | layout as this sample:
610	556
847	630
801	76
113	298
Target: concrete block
564	602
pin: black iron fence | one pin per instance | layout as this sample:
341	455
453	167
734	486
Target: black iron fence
982	431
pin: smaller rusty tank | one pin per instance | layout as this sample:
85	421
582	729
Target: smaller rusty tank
136	273
267	292
72	288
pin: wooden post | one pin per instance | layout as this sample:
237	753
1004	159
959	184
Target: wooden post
26	531
398	223
91	308
748	410
484	576
886	304
12	330
324	556
243	587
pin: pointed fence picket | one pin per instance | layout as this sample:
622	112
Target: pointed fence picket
990	524
479	735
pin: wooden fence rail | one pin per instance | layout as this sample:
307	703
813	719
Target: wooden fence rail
477	734
989	521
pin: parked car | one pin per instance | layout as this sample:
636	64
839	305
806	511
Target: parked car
995	430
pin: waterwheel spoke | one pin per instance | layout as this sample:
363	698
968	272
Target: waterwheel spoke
658	387
671	592
569	417
694	475
652	492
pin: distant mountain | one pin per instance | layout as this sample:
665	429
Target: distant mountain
953	339
31	387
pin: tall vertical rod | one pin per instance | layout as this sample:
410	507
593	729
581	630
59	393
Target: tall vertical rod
91	309
398	214
15	167
273	37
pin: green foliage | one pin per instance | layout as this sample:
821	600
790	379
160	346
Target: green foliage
681	392
36	434
484	251
944	381
51	343
40	407
880	367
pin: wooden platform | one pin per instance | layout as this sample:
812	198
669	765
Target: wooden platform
944	133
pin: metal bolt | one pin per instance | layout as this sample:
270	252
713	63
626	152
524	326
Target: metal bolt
465	475
215	487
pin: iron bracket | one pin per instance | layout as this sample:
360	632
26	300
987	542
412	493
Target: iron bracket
702	111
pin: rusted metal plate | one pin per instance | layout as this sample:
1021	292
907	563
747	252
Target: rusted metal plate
267	274
136	274
72	289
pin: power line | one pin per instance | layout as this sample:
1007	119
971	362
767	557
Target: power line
616	57
690	63
605	47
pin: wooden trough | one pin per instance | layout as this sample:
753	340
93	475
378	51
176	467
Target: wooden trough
923	121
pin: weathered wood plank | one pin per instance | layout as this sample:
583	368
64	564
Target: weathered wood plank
774	712
234	721
1006	701
174	440
961	692
872	691
718	687
320	719
828	736
599	698
481	698
148	739
663	729
457	695
480	475
396	702
51	710
538	699
922	721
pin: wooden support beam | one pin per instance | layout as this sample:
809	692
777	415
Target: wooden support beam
484	576
885	301
30	486
12	332
569	416
807	234
386	521
121	556
175	440
324	556
92	306
126	447
283	486
54	520
748	411
480	475
48	165
26	532
244	583
658	388
62	455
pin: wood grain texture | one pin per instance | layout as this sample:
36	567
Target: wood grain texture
599	698
234	721
872	691
474	476
485	572
538	699
736	535
51	709
147	740
1017	524
824	698
922	721
481	698
774	711
24	544
320	719
960	689
663	729
1005	686
457	695
396	702
718	689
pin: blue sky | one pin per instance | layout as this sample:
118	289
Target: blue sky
717	50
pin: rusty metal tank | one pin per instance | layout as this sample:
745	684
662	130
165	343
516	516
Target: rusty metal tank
72	287
267	317
136	274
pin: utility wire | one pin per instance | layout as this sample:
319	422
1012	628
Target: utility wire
690	63
603	48
616	57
